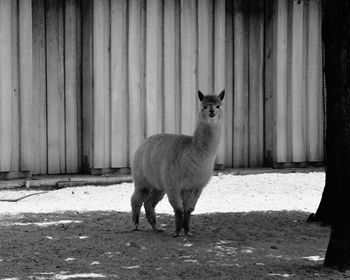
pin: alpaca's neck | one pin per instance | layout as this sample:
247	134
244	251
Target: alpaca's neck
206	140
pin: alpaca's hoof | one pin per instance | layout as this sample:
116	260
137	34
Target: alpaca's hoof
176	234
135	229
156	229
189	233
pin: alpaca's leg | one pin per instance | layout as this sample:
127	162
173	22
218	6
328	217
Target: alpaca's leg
190	198
176	202
139	196
150	203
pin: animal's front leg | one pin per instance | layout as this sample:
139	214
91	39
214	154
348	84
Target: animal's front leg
187	218
179	218
190	198
176	203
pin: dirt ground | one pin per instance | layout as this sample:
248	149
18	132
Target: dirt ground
245	227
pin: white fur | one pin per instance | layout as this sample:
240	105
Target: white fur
177	165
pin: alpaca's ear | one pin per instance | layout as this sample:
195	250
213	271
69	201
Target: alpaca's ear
222	95
200	96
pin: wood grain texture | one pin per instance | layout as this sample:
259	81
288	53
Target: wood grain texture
229	93
101	47
219	68
206	41
298	85
119	94
189	100
39	89
270	136
5	85
154	53
280	81
241	90
87	86
72	47
15	116
26	84
55	86
314	102
256	83
135	73
171	66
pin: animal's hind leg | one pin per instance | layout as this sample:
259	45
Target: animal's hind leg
150	204
137	199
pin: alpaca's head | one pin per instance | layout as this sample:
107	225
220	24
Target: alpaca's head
210	111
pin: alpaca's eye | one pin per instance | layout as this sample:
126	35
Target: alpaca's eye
218	106
205	107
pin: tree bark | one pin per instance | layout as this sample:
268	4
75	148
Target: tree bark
335	203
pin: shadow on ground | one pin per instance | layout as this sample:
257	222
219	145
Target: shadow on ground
100	245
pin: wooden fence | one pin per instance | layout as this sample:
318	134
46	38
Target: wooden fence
108	73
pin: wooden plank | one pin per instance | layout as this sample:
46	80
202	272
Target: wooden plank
298	85
15	135
189	99
314	130
256	83
107	82
240	56
171	66
269	72
206	43
5	85
101	84
135	81
72	84
87	85
154	67
280	81
55	87
119	102
39	89
228	101
26	84
219	69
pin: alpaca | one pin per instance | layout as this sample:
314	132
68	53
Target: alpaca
178	165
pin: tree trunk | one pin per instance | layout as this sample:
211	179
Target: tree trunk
335	203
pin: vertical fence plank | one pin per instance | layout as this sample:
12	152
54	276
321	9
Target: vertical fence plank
72	84
219	68
98	93
228	102
240	56
154	67
135	81
206	43
26	84
55	86
101	84
5	85
269	71
280	81
314	102
15	136
256	90
119	108
171	66
87	85
39	89
298	84
107	82
188	66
